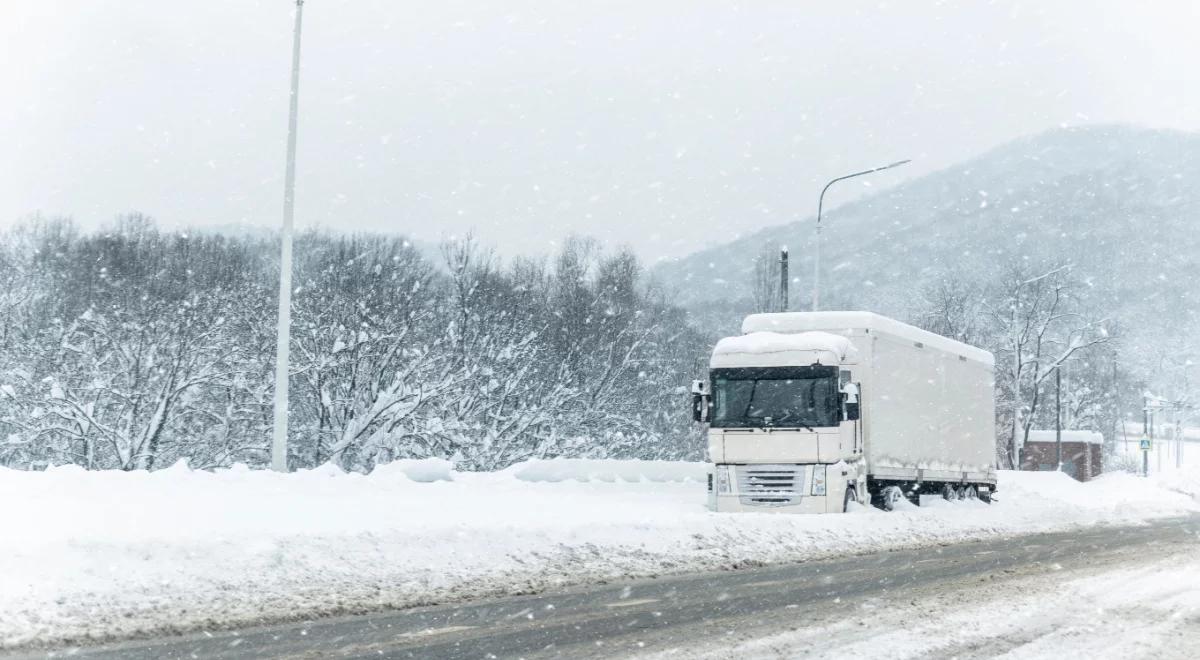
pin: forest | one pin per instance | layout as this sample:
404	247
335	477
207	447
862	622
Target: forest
134	347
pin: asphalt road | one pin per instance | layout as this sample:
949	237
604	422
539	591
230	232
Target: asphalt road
649	616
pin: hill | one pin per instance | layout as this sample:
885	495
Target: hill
1119	203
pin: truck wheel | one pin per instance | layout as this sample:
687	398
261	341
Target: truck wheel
851	496
949	493
891	495
970	493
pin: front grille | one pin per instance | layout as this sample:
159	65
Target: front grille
770	485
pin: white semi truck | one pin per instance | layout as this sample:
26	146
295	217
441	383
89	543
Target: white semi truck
808	412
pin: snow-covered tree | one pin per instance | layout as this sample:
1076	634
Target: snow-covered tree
132	347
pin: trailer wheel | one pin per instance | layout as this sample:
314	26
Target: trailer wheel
851	496
970	493
949	493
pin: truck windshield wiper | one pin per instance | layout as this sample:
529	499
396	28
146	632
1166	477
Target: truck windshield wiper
798	424
787	420
750	401
778	423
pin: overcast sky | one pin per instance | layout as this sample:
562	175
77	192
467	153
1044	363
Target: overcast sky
661	124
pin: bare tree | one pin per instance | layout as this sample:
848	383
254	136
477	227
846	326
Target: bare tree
954	307
1037	330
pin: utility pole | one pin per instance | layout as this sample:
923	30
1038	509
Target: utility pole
1145	434
1058	414
1158	449
1116	409
283	337
816	295
783	279
1178	440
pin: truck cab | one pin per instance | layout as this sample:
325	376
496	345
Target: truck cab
783	423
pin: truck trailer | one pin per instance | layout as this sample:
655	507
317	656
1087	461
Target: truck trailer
809	412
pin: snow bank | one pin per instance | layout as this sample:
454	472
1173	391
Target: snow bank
423	470
1181	482
1115	496
607	470
93	555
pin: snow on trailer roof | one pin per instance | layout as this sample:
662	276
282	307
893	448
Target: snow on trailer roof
795	348
1047	435
793	322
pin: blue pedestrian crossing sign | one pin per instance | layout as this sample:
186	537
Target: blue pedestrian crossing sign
1146	444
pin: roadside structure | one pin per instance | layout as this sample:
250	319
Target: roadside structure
1081	453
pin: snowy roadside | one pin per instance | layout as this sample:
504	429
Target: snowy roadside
109	554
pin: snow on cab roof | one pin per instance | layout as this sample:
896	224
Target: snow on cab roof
796	348
793	322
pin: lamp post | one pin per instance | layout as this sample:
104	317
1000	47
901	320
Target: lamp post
283	336
816	297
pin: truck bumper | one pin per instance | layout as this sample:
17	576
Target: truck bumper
807	504
781	488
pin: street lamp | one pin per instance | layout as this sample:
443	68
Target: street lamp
816	297
283	337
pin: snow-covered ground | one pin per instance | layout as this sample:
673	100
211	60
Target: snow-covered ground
104	554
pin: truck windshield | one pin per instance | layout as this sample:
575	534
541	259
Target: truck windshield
775	396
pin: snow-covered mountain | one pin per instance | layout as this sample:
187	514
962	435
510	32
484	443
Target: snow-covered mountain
1120	203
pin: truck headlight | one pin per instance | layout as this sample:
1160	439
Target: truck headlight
724	486
818	480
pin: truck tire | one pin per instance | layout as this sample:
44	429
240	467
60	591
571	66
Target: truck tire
891	495
949	493
970	493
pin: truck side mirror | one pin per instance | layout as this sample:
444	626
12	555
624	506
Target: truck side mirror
700	400
851	411
849	401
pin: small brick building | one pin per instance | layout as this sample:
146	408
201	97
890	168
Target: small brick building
1081	453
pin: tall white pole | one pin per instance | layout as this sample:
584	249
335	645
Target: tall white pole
284	332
